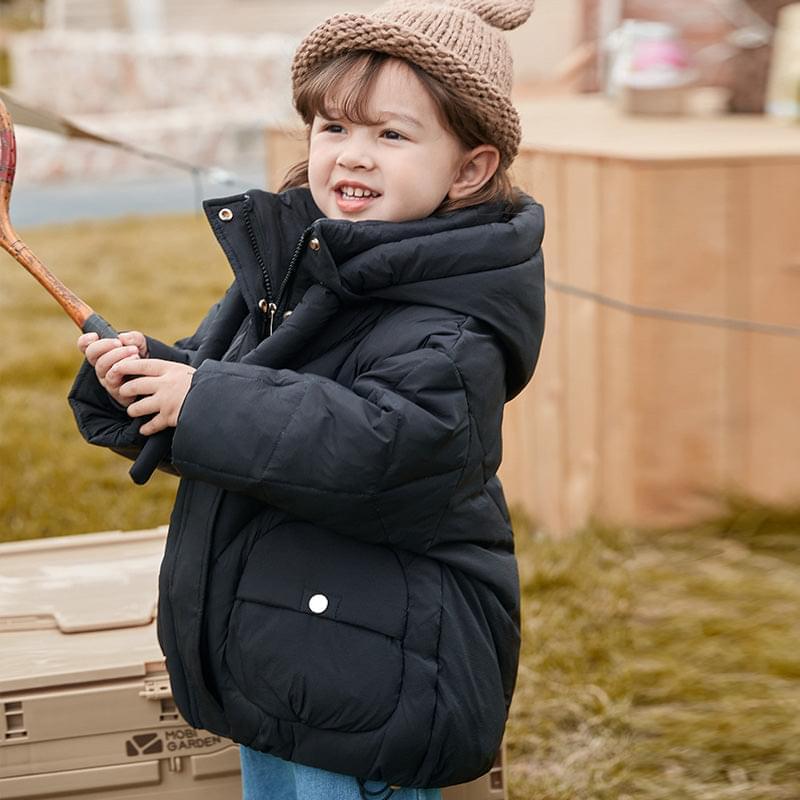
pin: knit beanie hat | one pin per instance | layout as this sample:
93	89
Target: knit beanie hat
456	41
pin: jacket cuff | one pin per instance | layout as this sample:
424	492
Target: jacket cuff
166	352
100	419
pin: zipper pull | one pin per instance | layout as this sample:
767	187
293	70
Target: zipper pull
268	308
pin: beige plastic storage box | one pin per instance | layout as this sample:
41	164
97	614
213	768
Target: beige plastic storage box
86	710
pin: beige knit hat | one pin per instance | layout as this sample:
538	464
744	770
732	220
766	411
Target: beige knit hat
456	41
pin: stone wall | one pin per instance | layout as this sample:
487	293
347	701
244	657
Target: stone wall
204	94
538	47
202	98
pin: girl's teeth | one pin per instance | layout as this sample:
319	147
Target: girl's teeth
355	192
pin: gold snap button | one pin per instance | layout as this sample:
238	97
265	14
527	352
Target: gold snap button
314	244
225	214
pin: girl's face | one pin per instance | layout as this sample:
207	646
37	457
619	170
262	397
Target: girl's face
400	168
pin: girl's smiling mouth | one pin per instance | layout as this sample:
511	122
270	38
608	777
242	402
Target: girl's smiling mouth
353	197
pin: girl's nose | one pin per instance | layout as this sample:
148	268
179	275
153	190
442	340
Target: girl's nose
355	158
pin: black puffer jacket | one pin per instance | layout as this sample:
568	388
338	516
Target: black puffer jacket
339	586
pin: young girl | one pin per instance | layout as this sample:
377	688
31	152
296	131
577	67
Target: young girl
339	592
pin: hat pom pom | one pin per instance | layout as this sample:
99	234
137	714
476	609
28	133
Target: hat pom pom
503	14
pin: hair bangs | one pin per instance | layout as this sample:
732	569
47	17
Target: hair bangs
342	89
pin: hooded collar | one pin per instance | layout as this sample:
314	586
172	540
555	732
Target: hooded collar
479	261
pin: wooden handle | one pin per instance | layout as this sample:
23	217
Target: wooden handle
157	447
77	310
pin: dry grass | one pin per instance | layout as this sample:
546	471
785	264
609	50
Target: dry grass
158	275
661	666
656	666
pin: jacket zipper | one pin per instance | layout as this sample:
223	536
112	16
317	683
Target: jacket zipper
266	304
269	305
292	268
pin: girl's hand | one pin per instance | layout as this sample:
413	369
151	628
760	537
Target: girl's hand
160	386
102	354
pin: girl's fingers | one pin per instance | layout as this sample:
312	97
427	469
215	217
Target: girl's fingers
85	339
135	386
105	362
144	366
144	407
98	348
158	423
135	338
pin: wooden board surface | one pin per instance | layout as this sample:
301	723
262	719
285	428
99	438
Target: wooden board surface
590	125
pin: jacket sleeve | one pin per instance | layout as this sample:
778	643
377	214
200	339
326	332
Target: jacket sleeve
100	419
379	460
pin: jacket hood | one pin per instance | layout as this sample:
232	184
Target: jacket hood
481	261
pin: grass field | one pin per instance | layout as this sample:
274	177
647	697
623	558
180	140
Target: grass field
661	666
158	275
656	666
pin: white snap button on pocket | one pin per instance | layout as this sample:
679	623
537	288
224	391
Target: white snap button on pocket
318	603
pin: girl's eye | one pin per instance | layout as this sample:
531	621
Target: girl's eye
332	127
393	135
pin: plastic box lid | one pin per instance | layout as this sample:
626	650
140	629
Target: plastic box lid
78	608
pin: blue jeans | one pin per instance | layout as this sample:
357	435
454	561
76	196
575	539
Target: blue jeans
265	777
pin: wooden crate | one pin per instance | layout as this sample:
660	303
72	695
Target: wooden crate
632	418
638	419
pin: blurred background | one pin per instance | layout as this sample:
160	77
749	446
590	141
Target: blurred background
653	465
202	80
199	80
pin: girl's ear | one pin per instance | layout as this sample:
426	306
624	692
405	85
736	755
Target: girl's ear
477	168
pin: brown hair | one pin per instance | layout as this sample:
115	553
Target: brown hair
455	114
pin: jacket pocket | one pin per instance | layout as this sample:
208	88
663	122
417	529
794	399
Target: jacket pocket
317	627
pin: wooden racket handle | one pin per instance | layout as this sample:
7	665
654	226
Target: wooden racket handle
77	310
158	445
